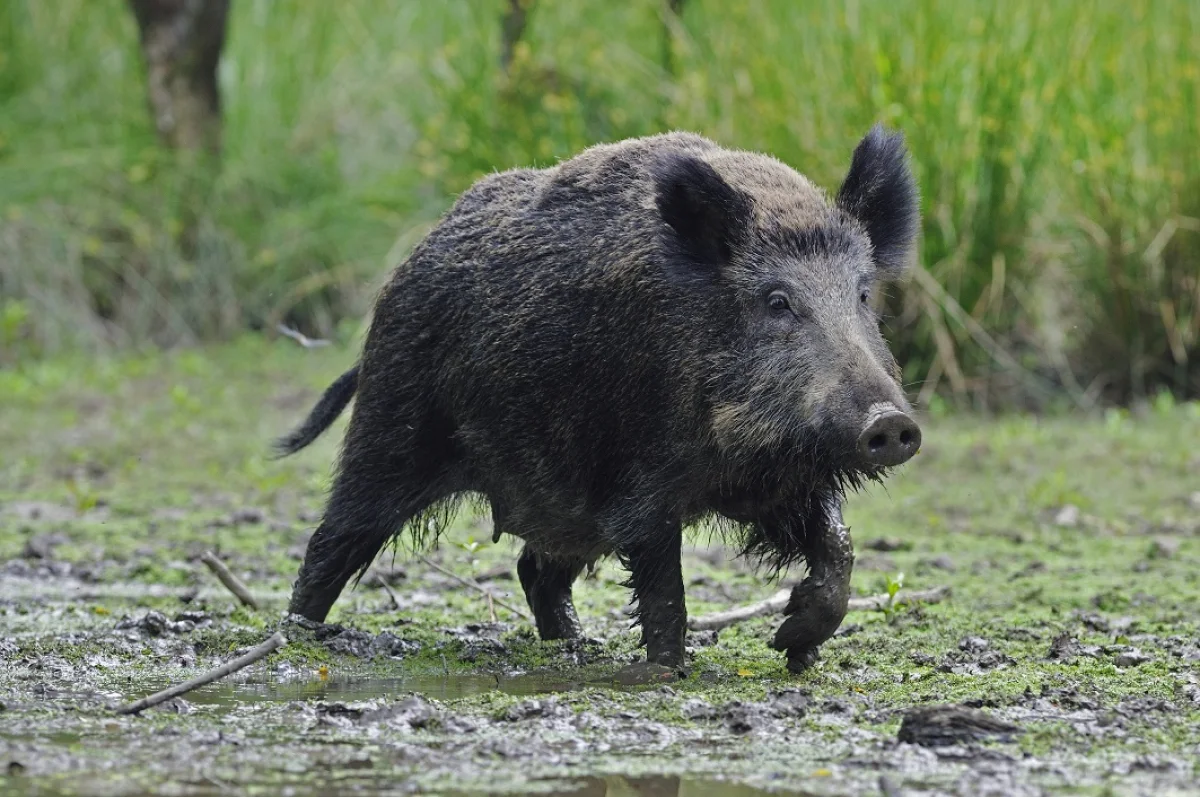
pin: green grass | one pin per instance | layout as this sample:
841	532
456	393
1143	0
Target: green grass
1054	142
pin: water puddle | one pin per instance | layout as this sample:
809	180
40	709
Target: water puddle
350	688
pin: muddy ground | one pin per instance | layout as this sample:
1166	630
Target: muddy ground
1071	547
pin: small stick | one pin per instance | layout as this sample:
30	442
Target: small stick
391	593
491	608
466	582
276	641
220	784
877	603
231	582
779	601
301	338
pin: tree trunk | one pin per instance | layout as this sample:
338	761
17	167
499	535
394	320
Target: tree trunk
512	28
181	42
672	16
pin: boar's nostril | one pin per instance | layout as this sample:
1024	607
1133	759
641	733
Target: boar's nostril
889	437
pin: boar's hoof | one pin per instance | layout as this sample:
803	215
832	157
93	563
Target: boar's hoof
801	659
674	662
815	611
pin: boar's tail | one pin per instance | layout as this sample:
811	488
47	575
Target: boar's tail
329	406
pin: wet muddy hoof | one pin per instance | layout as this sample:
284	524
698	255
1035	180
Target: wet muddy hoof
801	635
937	726
802	659
645	673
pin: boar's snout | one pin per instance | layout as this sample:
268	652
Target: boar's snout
889	436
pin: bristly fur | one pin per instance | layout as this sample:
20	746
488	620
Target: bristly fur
597	351
328	408
776	553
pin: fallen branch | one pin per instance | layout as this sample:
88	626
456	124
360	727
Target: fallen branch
226	576
779	601
275	642
466	582
877	603
711	622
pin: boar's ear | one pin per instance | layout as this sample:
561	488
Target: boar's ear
880	192
709	216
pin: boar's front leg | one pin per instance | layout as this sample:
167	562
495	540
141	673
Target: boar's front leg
818	603
656	575
547	584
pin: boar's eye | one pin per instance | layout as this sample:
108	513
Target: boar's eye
864	297
778	302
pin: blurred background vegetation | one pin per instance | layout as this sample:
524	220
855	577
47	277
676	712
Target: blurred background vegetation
1056	144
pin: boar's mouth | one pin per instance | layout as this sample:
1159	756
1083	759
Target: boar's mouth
798	478
777	534
767	457
792	471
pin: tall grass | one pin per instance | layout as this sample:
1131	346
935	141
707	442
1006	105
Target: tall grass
1055	143
1130	125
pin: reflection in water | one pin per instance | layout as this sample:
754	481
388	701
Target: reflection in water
437	687
654	786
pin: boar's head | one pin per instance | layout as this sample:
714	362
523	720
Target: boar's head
798	377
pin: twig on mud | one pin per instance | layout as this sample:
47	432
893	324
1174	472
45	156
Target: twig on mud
715	621
301	338
877	603
779	601
466	582
226	576
276	641
220	784
711	622
391	593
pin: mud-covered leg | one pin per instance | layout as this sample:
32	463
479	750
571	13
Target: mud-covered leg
818	603
380	485
547	584
362	515
335	553
656	575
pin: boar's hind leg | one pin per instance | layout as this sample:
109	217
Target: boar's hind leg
333	556
547	584
345	543
818	603
371	500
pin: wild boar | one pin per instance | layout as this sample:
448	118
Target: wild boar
653	333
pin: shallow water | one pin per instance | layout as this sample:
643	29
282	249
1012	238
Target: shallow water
351	688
